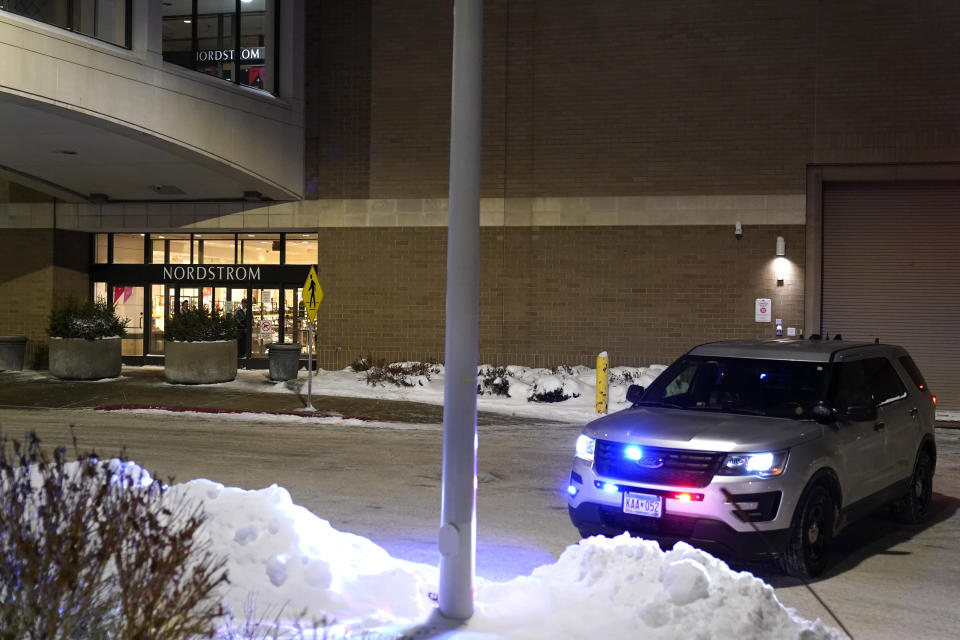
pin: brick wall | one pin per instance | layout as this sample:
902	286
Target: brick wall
26	285
337	88
556	295
33	276
636	98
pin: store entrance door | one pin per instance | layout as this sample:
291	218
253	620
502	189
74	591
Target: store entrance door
265	307
129	302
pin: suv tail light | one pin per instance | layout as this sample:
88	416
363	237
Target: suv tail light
934	398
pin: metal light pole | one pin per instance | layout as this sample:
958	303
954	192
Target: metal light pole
458	530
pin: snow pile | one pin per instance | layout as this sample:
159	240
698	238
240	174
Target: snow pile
297	567
628	588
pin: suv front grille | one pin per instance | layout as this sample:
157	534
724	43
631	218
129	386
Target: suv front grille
674	467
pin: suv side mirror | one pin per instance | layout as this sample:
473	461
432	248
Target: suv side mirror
822	412
861	412
634	392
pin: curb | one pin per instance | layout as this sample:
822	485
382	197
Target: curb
178	409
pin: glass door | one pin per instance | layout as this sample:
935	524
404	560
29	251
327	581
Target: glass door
265	308
129	303
160	295
294	318
189	298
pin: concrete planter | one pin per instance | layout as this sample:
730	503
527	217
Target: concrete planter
200	362
81	359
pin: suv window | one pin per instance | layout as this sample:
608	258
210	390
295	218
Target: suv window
913	371
780	388
883	380
849	388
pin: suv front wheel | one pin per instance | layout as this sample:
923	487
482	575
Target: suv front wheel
811	534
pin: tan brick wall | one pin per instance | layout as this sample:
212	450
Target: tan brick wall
556	295
26	286
621	97
33	276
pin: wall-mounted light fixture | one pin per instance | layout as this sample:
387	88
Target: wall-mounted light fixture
780	262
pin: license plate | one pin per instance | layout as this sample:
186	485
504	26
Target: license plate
643	504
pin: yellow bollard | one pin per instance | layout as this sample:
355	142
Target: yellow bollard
603	381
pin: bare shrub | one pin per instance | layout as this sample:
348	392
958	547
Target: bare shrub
493	381
402	374
95	549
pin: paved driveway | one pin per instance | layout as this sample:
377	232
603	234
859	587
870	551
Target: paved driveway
383	482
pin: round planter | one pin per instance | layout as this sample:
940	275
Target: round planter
12	349
200	362
284	360
81	359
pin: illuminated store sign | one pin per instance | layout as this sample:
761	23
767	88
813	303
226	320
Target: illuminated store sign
226	55
199	275
221	273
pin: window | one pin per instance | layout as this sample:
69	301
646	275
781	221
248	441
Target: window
913	371
229	39
128	248
259	248
884	381
216	248
106	20
301	248
849	387
777	388
175	245
101	251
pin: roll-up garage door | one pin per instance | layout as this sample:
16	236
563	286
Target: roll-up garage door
891	270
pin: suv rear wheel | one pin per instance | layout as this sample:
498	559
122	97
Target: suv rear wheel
811	534
914	507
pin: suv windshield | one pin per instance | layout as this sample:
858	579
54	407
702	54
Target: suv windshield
778	388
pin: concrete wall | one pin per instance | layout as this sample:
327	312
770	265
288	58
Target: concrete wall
245	131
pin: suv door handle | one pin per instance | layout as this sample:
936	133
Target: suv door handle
914	411
880	426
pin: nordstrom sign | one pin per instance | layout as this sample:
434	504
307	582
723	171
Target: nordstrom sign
221	273
226	55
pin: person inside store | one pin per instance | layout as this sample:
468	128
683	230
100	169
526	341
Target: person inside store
185	306
243	333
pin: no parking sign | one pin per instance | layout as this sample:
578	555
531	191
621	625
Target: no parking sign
763	311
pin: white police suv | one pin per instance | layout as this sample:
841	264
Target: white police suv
762	448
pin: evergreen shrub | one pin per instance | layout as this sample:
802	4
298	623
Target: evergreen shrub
88	320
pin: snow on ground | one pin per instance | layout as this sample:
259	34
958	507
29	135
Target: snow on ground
297	567
577	382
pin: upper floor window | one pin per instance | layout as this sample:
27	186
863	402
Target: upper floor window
107	20
205	248
230	39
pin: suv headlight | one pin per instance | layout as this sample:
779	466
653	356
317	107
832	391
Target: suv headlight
585	447
767	464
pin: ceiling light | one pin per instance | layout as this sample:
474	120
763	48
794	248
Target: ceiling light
187	21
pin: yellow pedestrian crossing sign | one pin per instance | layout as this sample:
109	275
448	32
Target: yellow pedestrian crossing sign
312	294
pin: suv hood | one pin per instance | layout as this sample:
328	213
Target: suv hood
702	430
